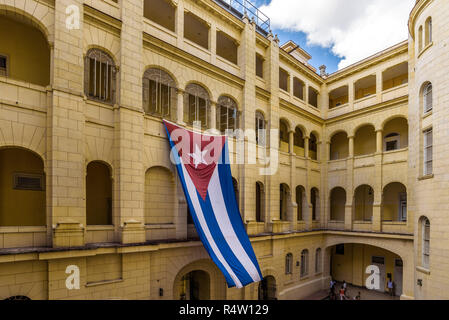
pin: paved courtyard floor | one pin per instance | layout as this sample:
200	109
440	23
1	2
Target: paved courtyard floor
351	292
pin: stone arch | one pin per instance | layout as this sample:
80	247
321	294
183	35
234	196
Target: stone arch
217	282
337	204
164	69
202	85
99	148
36	12
362	203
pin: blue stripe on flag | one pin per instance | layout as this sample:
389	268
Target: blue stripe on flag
224	171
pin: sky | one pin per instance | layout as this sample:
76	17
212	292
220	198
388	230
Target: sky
338	33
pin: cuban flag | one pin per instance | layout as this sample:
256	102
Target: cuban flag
204	171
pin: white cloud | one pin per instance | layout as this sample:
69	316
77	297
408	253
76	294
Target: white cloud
353	29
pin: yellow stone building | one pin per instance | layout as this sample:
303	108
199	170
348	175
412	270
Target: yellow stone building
86	182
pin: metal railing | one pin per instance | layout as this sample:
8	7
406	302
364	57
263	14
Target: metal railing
241	7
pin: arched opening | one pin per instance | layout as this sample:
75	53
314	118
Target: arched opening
267	288
159	196
420	39
283	136
318	261
100	76
313	147
337	204
301	202
339	146
22	188
363	203
260	201
298	88
395	134
160	98
289	263
365	141
18	298
365	87
315	201
304	263
395	76
428	31
313	97
195	286
196	105
98	194
298	143
260	129
24	50
394	202
284	202
349	262
227	114
424	242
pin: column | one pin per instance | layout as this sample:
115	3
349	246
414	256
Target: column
65	133
351	146
180	107
351	94
291	141
379	141
213	115
378	158
213	42
306	147
379	86
180	24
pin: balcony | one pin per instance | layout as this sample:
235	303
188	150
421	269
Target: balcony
241	7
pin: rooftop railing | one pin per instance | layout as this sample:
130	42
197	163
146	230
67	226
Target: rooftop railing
241	7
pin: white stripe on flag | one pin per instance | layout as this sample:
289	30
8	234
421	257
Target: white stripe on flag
199	212
222	217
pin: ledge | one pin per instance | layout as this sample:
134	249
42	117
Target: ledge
427	177
100	283
423	270
425	49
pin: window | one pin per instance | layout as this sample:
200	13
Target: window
428	34
428	98
283	202
259	202
227	114
3	66
283	79
377	260
164	15
288	263
299	202
26	181
304	263
392	142
259	65
196	30
426	243
227	47
283	137
196	105
313	97
298	88
260	129
313	147
159	94
100	75
428	152
318	264
98	194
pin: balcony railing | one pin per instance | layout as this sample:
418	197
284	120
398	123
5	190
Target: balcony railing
241	7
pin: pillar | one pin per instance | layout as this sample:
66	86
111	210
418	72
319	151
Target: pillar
291	141
379	141
213	115
351	146
306	147
180	107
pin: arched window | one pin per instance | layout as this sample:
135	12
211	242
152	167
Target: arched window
315	200
98	194
420	38
100	76
304	263
298	142
288	263
283	137
196	105
428	34
259	202
260	129
318	261
300	202
425	236
159	94
284	199
313	147
428	98
227	114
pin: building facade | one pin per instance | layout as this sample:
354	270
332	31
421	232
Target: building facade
86	181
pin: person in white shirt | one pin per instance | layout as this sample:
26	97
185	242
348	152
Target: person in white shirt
390	287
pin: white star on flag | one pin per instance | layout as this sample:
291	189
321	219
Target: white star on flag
198	156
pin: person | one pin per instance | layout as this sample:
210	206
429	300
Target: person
358	297
390	287
344	286
342	293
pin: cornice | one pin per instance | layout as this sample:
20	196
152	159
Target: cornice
369	62
416	11
102	19
299	66
164	48
221	13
